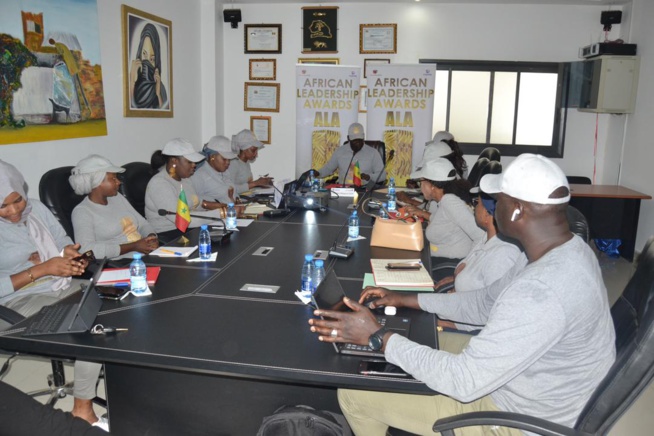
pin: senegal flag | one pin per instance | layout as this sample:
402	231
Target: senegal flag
356	177
183	217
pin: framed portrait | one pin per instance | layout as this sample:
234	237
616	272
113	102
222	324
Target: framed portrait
260	126
260	96
322	61
147	64
377	38
319	29
263	69
368	63
263	38
363	99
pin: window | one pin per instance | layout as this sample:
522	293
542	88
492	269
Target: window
516	107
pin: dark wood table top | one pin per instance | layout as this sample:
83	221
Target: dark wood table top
606	191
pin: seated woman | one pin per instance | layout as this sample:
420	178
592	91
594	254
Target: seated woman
104	221
176	164
239	171
37	269
452	230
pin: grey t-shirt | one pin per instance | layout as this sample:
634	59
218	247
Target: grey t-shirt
103	228
162	193
370	162
452	229
212	185
240	173
547	342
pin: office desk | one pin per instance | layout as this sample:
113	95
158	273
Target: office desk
612	212
201	357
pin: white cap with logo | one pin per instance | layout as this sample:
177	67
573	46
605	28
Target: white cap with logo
437	170
220	145
181	147
355	132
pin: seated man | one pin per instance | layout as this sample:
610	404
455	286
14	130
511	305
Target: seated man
346	159
547	341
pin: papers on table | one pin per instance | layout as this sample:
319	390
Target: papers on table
344	192
255	208
212	258
369	280
174	251
120	276
398	277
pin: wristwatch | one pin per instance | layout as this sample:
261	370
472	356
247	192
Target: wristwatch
376	340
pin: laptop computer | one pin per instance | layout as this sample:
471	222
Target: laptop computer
329	296
68	318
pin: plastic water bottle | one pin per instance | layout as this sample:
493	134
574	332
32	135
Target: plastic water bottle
230	223
392	204
205	242
138	275
382	211
353	225
318	273
307	273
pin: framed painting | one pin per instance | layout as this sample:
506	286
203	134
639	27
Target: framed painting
377	38
147	64
263	69
261	97
319	29
263	38
260	126
320	61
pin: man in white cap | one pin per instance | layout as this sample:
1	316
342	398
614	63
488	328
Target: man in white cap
547	338
345	159
247	146
212	185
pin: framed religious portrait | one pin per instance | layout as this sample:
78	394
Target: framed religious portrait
363	99
319	29
263	69
368	63
147	64
260	96
263	38
377	38
320	61
260	126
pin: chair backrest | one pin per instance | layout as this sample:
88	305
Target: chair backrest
57	194
579	180
633	317
490	153
135	179
475	174
578	223
380	146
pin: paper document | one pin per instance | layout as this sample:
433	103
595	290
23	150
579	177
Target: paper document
398	277
255	208
174	251
369	280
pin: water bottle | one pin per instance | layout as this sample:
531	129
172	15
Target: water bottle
318	273
205	242
138	275
392	204
307	273
353	225
230	223
315	185
382	211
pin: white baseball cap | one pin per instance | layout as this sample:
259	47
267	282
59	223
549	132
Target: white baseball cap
437	170
530	177
220	145
434	150
355	132
442	136
246	139
95	163
181	147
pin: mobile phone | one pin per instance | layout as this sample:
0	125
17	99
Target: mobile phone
381	367
87	256
111	292
403	265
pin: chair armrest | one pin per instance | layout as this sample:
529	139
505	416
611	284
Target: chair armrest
10	316
540	426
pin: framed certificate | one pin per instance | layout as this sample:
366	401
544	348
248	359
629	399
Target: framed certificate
263	38
261	97
260	126
263	69
321	61
377	38
369	63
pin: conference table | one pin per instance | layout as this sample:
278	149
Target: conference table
203	357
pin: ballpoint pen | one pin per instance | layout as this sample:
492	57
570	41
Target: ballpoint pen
176	253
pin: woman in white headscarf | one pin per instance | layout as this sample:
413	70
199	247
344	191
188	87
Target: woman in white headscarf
38	271
104	221
239	170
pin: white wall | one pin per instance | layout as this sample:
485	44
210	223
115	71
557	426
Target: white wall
128	139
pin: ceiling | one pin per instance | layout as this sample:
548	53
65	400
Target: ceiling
487	2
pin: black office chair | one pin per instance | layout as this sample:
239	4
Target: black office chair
632	372
477	171
57	194
380	146
579	180
490	153
578	223
135	180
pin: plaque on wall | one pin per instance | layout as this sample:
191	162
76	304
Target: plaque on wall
319	29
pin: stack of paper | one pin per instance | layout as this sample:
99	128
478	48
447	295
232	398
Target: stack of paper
120	276
399	277
174	251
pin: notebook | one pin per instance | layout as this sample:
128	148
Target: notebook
329	296
68	318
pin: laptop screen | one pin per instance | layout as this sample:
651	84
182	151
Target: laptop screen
88	307
329	295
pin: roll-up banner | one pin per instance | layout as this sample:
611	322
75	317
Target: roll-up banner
327	102
400	101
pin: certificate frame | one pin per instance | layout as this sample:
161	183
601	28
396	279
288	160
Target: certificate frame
363	99
263	69
378	38
261	127
263	38
319	61
261	97
370	62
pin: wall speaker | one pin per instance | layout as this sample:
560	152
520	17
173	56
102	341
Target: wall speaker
232	16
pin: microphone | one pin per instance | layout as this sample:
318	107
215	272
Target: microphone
348	169
164	212
278	212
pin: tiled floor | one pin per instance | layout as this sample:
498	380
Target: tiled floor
28	373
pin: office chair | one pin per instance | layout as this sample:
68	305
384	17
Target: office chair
135	179
578	223
632	372
380	146
57	194
477	171
490	153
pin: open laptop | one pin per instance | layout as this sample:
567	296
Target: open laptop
329	296
68	318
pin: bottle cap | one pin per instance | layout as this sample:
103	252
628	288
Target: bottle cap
308	257
385	204
354	213
320	263
204	227
230	204
137	256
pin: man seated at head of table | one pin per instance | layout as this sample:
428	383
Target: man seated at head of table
547	338
104	221
247	146
346	158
